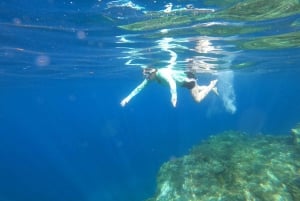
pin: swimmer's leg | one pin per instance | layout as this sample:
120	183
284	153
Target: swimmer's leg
200	92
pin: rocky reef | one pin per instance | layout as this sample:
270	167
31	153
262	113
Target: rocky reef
234	166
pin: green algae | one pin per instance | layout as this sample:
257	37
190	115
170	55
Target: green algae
251	10
228	30
296	23
221	3
233	166
258	10
289	40
167	20
213	30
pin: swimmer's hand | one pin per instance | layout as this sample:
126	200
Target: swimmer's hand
174	100
124	102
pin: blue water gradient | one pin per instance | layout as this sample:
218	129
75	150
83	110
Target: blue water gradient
64	135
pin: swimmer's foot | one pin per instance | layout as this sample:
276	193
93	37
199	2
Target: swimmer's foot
213	83
214	88
200	92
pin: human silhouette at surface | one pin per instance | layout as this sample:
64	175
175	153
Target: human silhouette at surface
173	78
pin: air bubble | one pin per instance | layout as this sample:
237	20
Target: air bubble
42	60
81	35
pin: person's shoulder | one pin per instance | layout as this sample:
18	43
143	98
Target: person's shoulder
164	70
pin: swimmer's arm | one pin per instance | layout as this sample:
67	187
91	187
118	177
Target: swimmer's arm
173	91
134	92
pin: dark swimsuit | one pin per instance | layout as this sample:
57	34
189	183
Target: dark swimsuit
191	84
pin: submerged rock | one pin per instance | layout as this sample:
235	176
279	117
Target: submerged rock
233	167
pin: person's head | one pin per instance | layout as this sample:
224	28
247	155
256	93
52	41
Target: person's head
149	73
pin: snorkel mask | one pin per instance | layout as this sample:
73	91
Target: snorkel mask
149	73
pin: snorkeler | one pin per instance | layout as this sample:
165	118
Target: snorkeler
173	78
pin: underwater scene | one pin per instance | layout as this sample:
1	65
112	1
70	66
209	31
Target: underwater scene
183	100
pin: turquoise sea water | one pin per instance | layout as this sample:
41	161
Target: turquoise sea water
65	66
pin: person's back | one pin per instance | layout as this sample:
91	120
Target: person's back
178	76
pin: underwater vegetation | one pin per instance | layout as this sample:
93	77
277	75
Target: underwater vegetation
251	10
289	40
217	30
234	166
257	10
233	18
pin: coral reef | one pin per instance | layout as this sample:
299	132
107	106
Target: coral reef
233	166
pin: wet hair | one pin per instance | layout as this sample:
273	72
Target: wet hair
190	74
